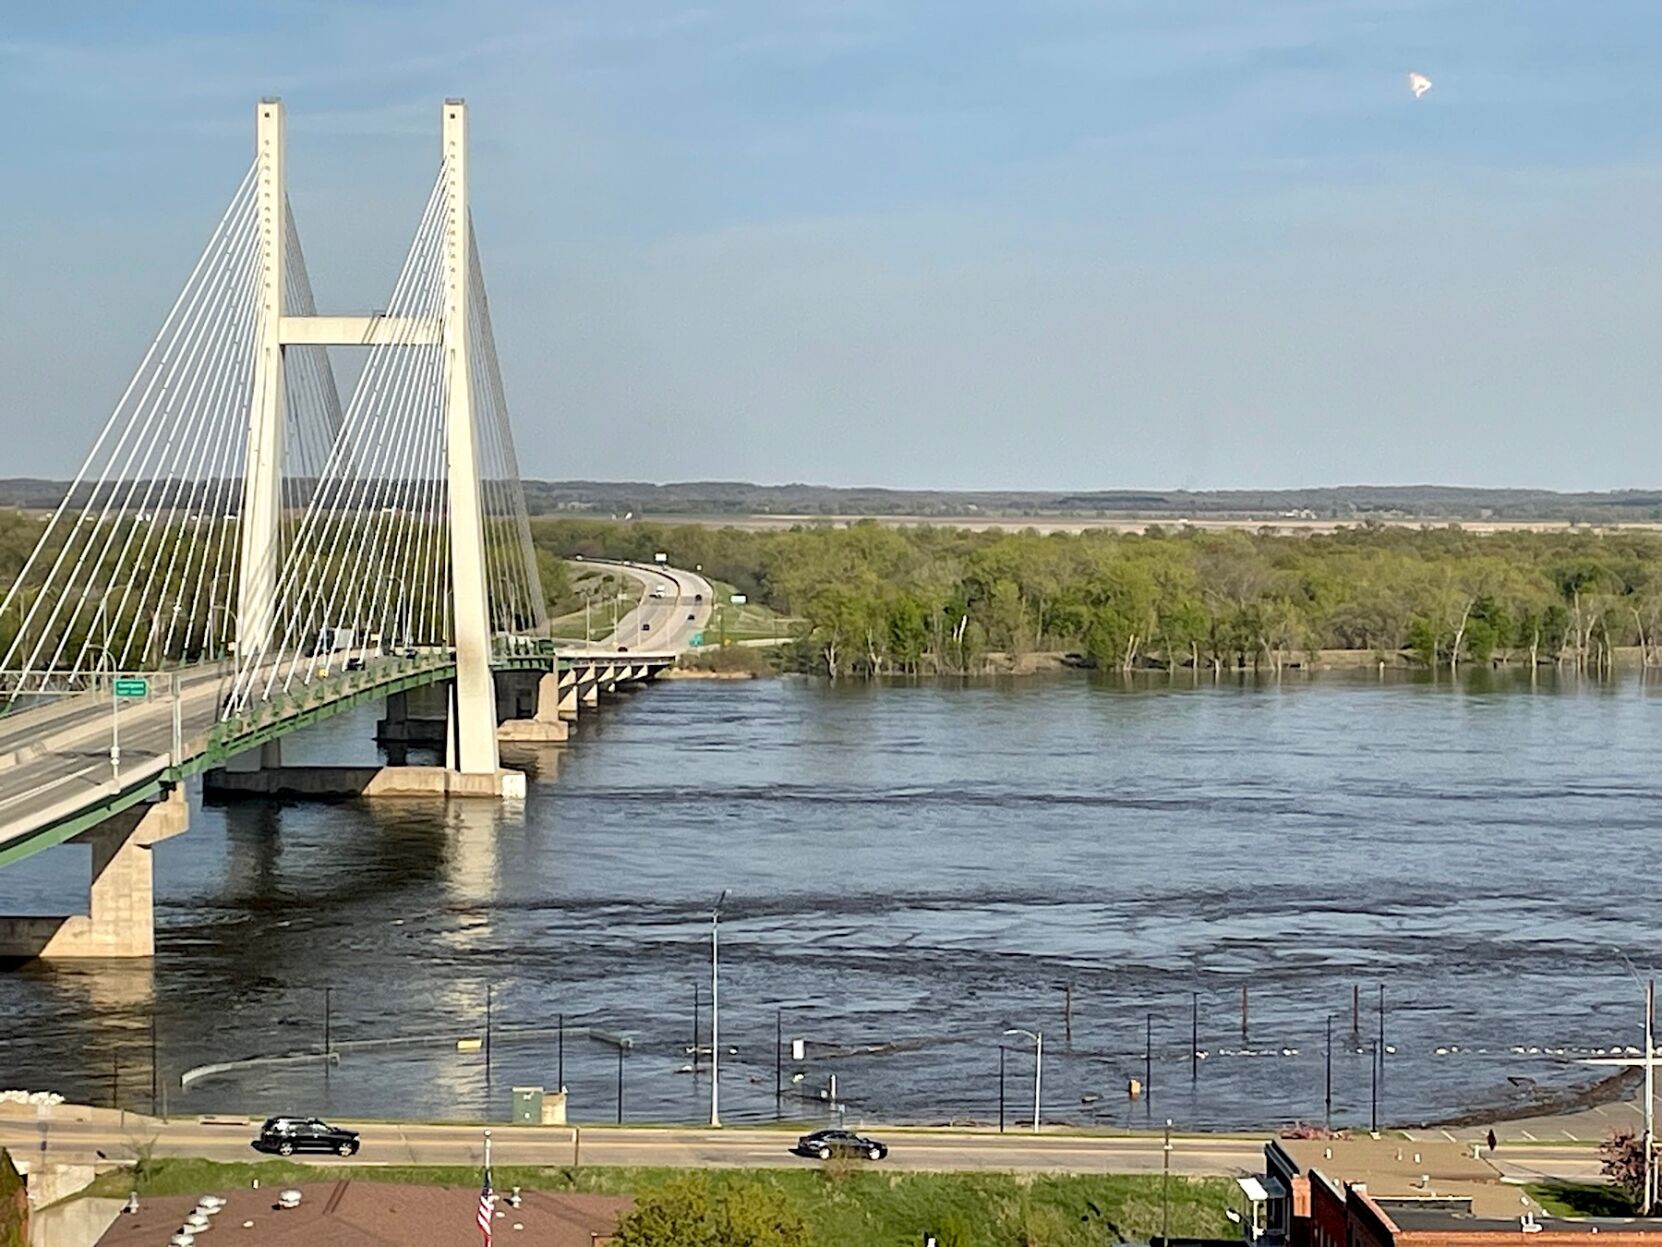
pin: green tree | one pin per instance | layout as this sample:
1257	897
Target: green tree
696	1211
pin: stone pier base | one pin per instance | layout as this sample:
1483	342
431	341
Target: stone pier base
342	782
547	725
120	921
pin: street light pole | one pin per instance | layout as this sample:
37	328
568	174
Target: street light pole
1001	1052
715	1009
1374	1110
1650	1098
1329	1071
115	702
1165	1188
1038	1039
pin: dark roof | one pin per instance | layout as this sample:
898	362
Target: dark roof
1408	1217
350	1213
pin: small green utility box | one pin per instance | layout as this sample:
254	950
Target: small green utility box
528	1106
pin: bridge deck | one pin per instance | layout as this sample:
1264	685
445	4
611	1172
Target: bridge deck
56	777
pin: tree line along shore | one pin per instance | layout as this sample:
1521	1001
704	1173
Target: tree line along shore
869	599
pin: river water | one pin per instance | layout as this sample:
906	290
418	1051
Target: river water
913	868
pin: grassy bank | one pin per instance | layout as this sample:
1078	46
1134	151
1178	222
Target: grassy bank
1581	1199
842	1204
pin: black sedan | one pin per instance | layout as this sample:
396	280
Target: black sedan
828	1143
288	1135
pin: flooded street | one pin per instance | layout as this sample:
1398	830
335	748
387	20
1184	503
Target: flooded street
912	869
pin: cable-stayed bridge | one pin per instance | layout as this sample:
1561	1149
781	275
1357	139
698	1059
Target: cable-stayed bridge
243	554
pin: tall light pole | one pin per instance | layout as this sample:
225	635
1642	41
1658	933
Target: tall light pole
108	661
1165	1187
1649	1062
1038	1066
1329	1053
715	1009
1650	1098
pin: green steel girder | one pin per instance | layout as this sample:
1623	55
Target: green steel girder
68	828
223	744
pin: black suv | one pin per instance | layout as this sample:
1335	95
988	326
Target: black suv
828	1143
288	1135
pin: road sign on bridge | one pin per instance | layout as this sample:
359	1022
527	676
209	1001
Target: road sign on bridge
132	687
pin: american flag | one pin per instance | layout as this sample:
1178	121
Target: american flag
487	1197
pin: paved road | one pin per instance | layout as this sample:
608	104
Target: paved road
56	756
743	1147
665	624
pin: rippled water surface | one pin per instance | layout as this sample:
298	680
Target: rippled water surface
912	869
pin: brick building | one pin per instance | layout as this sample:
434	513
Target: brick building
1379	1193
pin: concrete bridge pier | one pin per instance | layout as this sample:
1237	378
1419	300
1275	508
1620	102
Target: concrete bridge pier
544	724
120	920
416	717
566	706
260	758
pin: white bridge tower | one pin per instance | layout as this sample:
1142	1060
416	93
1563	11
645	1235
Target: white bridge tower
471	739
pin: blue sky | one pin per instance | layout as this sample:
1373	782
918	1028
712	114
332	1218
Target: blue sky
1062	243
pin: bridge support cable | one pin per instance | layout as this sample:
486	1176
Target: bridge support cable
517	603
87	594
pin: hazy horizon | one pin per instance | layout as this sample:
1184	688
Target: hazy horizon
936	246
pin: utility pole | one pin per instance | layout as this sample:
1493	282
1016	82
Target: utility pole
561	1067
778	1063
488	987
1243	1013
154	1077
620	1084
328	1041
696	1027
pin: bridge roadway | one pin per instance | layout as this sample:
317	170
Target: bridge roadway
394	1143
56	776
666	623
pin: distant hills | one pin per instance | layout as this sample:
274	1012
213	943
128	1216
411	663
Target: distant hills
1341	502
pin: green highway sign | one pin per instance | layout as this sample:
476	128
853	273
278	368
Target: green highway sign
132	688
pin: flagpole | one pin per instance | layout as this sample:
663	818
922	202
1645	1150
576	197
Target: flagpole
487	1197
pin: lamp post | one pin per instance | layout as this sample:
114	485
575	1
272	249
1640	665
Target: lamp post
1038	1066
107	660
1373	1111
1165	1188
715	1009
1001	1051
1329	1071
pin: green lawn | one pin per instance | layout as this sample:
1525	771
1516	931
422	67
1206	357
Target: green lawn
1581	1199
750	622
602	587
844	1204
